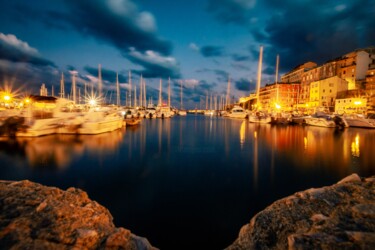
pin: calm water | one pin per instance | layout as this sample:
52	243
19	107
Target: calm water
191	182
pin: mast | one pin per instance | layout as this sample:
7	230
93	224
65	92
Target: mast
141	92
135	96
117	91
227	101
74	87
276	78
160	97
207	100
62	87
130	88
100	80
144	92
259	72
181	94
169	92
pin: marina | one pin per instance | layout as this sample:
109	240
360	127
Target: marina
167	178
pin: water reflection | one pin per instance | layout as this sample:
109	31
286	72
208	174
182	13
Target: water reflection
191	170
58	151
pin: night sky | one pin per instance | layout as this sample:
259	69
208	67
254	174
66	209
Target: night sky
201	42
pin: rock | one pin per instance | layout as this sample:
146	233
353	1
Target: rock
341	216
34	216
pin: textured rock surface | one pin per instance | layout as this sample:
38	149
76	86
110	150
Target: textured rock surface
341	216
33	216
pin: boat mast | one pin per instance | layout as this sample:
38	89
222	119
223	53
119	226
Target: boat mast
227	101
181	93
144	91
259	73
140	92
160	97
100	80
118	91
74	87
130	88
62	87
169	91
276	78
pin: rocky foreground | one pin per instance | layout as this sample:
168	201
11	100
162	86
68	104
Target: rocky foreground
33	216
341	216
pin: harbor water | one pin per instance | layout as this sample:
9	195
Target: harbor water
191	182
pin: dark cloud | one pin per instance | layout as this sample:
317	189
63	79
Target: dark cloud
211	51
231	11
120	23
302	31
14	50
242	84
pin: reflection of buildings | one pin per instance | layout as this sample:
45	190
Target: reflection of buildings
315	148
59	150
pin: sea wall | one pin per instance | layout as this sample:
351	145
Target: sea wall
341	216
33	216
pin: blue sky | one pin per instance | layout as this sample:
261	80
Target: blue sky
200	43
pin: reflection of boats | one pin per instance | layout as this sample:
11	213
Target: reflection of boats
237	112
356	120
259	117
132	122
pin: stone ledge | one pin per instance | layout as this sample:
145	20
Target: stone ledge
341	216
34	216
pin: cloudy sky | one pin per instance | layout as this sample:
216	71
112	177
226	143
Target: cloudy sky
200	43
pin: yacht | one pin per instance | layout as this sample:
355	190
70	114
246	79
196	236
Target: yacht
237	112
93	122
260	117
359	120
321	119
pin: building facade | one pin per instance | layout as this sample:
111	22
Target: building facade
323	93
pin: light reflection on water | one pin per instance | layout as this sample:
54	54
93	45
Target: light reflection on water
168	178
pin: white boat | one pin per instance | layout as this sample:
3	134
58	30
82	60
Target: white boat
91	123
209	112
150	112
260	117
358	120
38	127
164	112
237	112
320	119
182	112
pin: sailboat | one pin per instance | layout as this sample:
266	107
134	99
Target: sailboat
181	112
258	116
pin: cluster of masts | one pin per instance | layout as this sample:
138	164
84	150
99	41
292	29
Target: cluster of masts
91	94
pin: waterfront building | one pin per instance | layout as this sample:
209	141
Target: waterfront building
323	93
351	105
353	66
279	96
295	75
